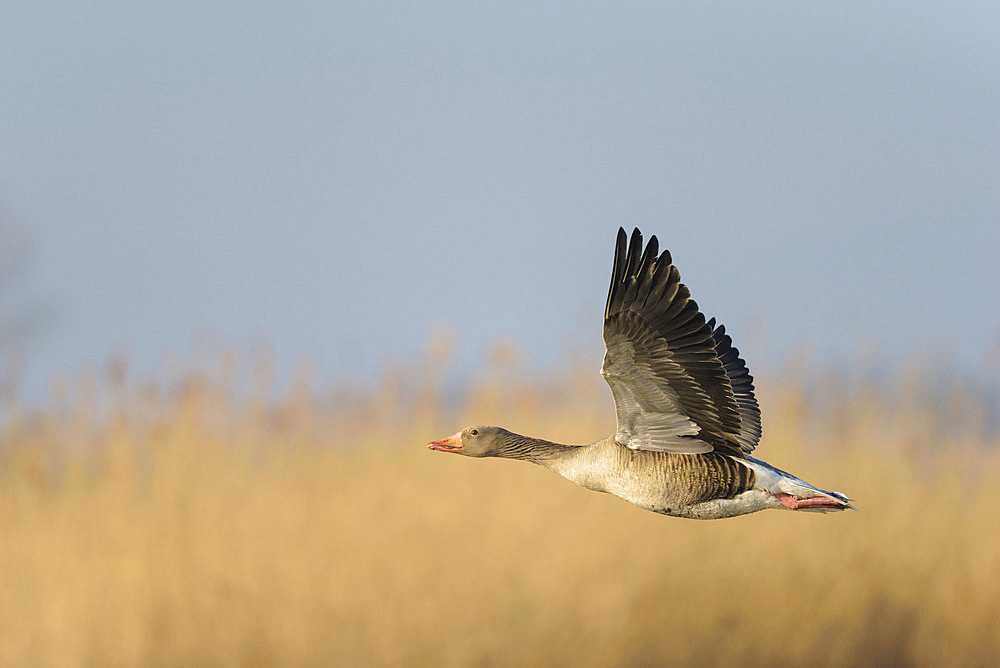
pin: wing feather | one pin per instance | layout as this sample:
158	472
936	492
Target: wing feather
678	384
742	384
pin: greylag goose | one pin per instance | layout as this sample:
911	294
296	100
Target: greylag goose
687	416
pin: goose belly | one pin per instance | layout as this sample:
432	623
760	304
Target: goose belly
657	501
749	501
692	486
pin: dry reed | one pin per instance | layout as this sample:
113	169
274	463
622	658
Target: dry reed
181	524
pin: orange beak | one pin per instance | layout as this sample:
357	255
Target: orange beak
451	444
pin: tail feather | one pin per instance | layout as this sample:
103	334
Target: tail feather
785	486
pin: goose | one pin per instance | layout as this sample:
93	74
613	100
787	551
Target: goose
687	415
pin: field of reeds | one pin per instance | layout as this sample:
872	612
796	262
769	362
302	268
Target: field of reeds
200	520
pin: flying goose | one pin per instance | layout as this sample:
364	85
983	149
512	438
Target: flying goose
687	416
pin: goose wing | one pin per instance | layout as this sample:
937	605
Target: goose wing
667	370
742	384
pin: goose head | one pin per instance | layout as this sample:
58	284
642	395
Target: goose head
478	441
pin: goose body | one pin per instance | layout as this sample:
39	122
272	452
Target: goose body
687	416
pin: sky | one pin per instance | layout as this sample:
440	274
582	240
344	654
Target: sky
341	182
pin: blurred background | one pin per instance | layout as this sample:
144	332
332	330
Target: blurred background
253	257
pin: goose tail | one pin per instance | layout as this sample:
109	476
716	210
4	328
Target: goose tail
794	493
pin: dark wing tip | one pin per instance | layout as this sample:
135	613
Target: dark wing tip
634	251
646	264
618	269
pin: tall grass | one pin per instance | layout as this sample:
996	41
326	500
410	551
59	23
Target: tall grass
192	523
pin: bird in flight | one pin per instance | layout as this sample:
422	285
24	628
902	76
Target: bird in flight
687	416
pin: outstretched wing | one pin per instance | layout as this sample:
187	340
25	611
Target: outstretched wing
673	391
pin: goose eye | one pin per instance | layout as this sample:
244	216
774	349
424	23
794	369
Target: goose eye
474	432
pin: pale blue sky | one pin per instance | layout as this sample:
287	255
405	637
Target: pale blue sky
340	180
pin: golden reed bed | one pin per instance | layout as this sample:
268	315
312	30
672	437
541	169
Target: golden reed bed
182	525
